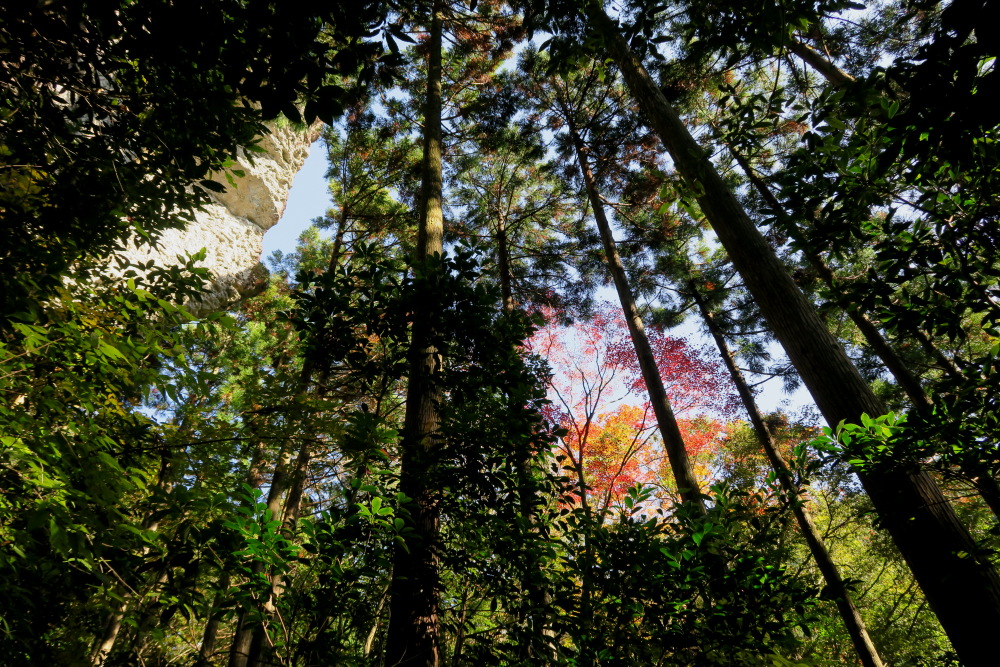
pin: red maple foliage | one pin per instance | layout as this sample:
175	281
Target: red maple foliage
599	397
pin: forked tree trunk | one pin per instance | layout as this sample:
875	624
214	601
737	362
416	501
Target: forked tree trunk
855	625
673	442
294	482
413	636
287	487
962	589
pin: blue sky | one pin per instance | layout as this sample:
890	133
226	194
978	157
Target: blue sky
308	199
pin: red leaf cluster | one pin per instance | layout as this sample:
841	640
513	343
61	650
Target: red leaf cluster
599	397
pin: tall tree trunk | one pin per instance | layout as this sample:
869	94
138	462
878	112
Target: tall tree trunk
863	644
833	74
503	264
909	382
294	482
503	254
673	442
208	639
962	589
239	652
982	479
289	519
413	636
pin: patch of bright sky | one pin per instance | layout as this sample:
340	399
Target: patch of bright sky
309	199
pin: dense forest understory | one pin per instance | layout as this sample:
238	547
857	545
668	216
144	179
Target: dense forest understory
459	424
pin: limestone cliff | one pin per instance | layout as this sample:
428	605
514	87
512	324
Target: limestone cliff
231	227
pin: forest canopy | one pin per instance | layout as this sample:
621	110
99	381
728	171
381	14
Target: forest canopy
500	405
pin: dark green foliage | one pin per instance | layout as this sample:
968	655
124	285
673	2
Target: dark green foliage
109	113
77	454
681	589
914	179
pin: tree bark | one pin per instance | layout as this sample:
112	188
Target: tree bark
673	442
503	262
413	635
961	588
253	479
947	365
855	625
109	635
105	643
833	74
289	519
370	639
239	652
211	633
909	382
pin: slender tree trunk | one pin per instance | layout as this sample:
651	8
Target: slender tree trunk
289	519
947	365
413	637
537	598
908	381
370	639
239	652
588	562
985	483
673	442
338	239
961	588
211	633
294	482
456	655
833	74
219	603
146	620
113	623
109	634
863	644
503	263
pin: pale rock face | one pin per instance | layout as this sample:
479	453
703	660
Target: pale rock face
231	228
